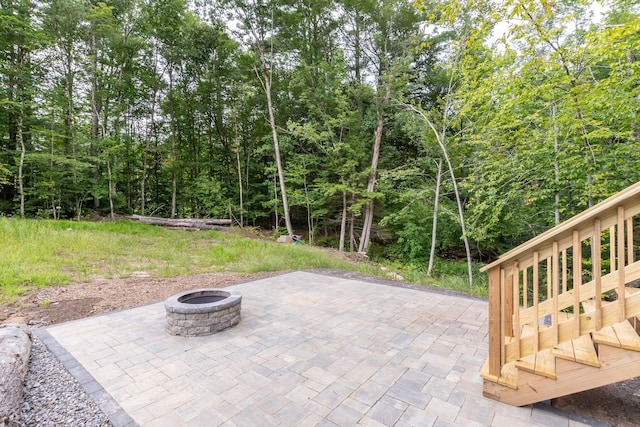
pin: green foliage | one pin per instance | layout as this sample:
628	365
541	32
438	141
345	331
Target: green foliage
135	102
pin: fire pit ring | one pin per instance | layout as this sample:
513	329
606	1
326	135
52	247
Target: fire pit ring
202	312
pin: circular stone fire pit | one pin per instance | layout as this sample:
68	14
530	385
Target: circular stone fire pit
202	312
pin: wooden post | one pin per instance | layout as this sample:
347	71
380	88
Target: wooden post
495	323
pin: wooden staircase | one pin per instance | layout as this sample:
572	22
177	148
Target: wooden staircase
563	307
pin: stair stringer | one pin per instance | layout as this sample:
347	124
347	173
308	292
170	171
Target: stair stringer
616	364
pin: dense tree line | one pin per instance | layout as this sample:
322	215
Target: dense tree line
413	127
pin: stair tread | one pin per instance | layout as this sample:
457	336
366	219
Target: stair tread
606	336
627	335
585	351
508	375
621	335
580	350
630	291
540	363
565	350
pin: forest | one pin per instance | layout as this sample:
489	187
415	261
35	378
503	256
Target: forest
401	129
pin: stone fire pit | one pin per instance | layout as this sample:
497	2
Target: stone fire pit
202	312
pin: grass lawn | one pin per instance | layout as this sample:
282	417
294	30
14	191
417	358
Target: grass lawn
39	253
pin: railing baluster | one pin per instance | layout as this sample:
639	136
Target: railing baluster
621	279
525	289
577	280
550	291
516	309
508	305
597	270
555	285
506	316
630	249
564	270
536	281
612	248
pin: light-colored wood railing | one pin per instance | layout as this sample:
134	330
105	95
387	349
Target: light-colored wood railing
551	288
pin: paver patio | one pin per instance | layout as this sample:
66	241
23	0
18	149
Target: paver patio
310	350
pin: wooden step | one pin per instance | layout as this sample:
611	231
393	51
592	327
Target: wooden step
616	364
630	291
621	335
580	350
540	363
508	375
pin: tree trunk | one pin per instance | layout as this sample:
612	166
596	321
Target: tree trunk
240	187
150	134
95	114
434	228
440	137
343	221
556	166
309	212
111	189
275	199
368	213
352	220
276	149
23	150
174	160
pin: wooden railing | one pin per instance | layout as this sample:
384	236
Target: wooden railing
551	288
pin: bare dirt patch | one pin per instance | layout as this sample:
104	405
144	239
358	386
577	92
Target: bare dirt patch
56	304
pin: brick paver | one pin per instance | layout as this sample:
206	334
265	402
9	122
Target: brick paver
310	350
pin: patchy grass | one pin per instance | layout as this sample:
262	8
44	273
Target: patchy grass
39	253
450	275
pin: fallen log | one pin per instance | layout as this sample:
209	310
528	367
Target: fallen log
188	223
15	347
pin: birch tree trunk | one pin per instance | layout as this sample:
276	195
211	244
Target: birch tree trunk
556	166
440	137
20	138
375	156
240	186
434	228
150	134
276	149
343	222
174	174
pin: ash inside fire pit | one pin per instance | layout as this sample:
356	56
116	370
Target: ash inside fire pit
202	312
200	299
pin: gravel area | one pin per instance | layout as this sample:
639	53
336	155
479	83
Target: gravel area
53	397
